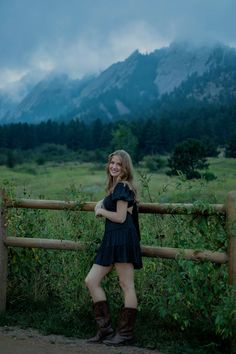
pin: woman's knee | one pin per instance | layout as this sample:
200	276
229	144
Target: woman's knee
89	282
95	275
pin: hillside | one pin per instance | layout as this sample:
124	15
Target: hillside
143	84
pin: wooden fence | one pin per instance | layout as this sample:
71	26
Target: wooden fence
228	210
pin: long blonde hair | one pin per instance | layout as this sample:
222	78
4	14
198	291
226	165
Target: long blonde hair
127	171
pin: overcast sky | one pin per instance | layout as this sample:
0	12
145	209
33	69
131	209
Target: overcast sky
83	36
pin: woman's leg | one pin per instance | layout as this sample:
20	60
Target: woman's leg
126	278
93	281
125	329
100	305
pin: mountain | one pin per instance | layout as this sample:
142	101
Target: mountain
7	105
176	76
14	93
48	99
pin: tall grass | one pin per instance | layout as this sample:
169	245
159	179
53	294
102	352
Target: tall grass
184	306
52	181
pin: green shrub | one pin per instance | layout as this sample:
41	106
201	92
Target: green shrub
189	302
209	176
153	163
188	157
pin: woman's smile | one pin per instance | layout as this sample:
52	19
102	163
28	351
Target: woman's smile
115	166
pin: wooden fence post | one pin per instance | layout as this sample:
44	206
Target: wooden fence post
231	233
3	255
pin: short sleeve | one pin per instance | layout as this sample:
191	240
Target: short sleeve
123	192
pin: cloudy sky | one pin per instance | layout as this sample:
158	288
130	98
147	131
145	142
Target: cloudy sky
84	36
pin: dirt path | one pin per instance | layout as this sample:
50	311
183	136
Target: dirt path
14	340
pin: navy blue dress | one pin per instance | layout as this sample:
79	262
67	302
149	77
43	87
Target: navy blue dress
120	242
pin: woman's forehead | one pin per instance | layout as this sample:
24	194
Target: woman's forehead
116	158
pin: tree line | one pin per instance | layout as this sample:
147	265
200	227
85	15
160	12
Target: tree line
213	126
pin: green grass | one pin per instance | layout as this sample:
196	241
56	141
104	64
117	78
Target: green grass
62	274
52	181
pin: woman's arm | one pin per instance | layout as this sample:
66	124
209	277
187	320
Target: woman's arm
118	216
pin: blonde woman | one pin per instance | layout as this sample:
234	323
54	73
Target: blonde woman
120	249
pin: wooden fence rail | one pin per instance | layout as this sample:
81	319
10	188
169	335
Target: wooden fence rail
227	210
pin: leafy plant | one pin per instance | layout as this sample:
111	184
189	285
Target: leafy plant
187	301
188	157
152	163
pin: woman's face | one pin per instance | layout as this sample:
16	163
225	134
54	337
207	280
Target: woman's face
115	166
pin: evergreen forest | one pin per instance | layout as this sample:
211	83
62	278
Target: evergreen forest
213	125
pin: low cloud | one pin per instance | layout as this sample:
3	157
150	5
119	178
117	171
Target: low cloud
10	76
139	36
89	53
82	38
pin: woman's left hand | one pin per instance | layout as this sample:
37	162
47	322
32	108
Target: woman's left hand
98	212
99	204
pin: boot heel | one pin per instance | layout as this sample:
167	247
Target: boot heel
102	317
124	334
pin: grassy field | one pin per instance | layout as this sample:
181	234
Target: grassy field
187	303
53	181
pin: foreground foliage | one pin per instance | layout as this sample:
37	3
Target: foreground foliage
184	306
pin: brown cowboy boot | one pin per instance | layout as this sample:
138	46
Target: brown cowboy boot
102	317
124	334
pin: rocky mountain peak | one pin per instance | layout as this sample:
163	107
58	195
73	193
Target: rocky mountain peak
126	88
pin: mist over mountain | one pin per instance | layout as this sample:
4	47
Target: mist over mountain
177	76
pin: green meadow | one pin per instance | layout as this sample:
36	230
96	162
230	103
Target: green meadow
53	181
188	303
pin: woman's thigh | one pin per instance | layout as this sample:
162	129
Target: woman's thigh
97	273
125	272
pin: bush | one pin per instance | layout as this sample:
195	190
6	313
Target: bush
187	158
12	159
187	301
209	176
3	156
230	150
40	160
152	163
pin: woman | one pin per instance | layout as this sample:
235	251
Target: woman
120	249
